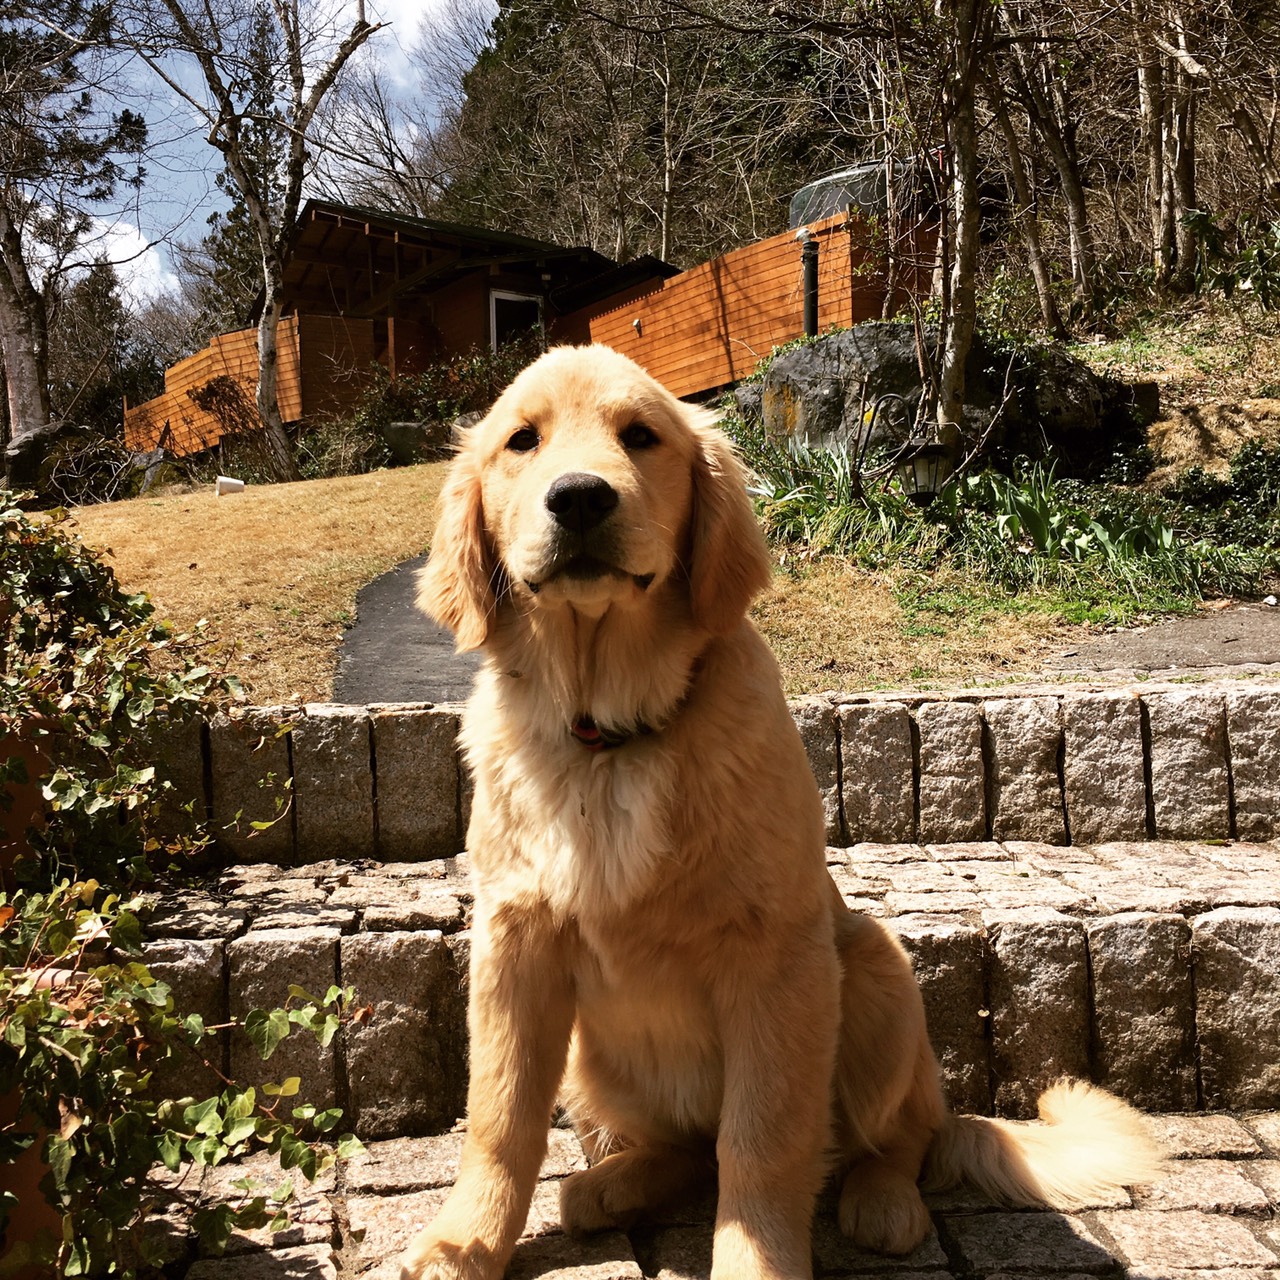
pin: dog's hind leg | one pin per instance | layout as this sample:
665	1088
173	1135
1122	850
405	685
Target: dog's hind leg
631	1182
889	1103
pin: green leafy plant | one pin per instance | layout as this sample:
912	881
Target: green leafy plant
467	383
92	680
1246	258
83	1029
1097	548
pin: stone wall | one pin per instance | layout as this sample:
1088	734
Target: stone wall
291	785
1152	968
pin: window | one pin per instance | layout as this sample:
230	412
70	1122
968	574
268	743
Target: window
511	315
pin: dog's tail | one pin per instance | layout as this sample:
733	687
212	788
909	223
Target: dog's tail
1086	1146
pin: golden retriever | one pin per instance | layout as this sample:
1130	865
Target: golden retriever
657	941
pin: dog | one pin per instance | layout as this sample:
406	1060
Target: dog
657	942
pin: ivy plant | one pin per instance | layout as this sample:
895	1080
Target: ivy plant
83	1028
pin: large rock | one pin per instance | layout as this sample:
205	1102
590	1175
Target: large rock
877	772
1189	765
406	1065
816	720
822	392
952	780
1024	735
1144	1019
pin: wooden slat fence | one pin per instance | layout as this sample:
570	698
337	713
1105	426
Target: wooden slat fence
324	363
711	325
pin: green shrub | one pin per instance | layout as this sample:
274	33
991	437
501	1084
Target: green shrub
94	681
1109	548
467	383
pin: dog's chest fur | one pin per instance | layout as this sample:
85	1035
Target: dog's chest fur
586	831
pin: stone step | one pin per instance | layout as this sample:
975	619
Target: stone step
1151	968
1213	1214
1067	765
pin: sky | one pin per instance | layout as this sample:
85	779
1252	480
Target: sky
180	192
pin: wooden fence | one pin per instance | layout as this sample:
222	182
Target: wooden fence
323	367
709	326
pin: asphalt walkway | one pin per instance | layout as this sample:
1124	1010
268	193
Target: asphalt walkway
395	654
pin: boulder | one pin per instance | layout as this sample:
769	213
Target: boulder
822	393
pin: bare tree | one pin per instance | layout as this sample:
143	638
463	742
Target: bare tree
60	155
313	47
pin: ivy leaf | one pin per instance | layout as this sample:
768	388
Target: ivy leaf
171	1151
287	1088
266	1030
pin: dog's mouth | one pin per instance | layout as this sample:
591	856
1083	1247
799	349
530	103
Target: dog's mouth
587	568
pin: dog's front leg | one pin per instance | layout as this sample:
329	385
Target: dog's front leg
779	1033
520	1018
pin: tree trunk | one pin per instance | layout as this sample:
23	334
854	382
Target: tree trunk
962	138
1025	216
1151	102
283	464
24	348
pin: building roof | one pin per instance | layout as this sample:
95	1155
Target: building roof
348	260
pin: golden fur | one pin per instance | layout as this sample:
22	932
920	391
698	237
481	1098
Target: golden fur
657	941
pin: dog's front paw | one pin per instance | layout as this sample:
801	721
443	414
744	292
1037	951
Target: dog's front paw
883	1214
429	1257
593	1200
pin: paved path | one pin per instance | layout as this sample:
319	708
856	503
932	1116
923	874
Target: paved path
395	654
1212	1217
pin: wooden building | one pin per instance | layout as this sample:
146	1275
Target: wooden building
364	286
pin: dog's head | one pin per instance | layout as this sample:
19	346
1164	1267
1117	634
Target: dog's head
590	486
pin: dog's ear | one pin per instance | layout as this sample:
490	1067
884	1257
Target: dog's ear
457	586
729	562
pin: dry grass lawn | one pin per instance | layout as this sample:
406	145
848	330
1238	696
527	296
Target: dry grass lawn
275	572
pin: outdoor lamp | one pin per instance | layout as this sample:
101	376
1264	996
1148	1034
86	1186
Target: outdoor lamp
922	469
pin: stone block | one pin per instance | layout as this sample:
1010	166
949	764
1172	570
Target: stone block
310	1262
252	782
1202	1136
406	1069
1237	975
1039	992
877	772
1156	1243
952	781
416	759
333	783
1253	732
1104	777
1143	1009
1188	765
263	964
1038	1244
193	971
816	719
1217	1186
604	1256
178	755
1024	736
835	1254
947	956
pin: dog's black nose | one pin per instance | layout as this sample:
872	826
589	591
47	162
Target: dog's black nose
580	501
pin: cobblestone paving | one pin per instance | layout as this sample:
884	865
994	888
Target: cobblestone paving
1213	1217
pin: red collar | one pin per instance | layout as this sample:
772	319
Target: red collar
594	738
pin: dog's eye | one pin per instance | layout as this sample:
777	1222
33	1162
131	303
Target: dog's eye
638	436
524	440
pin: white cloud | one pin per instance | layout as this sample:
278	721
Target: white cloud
143	273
